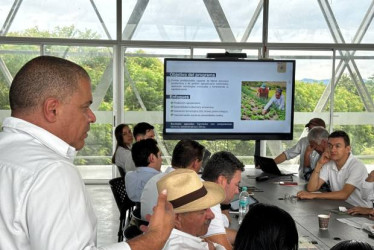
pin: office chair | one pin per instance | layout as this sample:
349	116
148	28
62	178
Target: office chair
124	204
121	171
133	228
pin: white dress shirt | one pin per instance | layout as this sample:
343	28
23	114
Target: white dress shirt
217	225
44	204
149	196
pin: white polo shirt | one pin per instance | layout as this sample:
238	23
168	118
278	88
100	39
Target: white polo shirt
180	240
43	201
353	172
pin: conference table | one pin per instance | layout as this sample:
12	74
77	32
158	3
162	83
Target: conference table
305	212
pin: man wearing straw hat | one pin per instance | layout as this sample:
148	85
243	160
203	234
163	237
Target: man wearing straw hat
191	199
188	154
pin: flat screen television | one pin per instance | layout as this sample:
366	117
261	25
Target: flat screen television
209	99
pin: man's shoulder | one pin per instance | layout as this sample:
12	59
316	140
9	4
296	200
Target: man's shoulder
123	150
131	175
147	172
154	179
28	155
355	164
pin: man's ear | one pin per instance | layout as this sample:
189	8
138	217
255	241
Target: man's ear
196	165
151	158
221	180
50	107
178	223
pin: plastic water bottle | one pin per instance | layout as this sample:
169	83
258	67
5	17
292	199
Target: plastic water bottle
243	204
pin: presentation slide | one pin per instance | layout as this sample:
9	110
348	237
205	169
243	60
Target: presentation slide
240	97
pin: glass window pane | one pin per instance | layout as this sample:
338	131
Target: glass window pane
353	99
297	22
349	17
163	20
312	21
64	19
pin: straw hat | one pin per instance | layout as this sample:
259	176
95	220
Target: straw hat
188	193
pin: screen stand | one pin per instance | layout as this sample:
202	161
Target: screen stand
257	147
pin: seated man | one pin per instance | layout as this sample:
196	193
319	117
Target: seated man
148	160
226	170
187	154
277	100
318	143
308	157
344	172
368	195
143	130
191	199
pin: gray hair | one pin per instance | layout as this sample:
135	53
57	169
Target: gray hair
317	134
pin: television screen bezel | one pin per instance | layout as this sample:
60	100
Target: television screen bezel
230	136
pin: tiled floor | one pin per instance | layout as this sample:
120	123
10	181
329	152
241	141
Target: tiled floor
106	212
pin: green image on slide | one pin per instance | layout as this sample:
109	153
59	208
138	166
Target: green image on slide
263	100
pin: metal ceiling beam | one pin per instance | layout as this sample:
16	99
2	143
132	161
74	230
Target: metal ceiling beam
4	30
100	19
253	21
8	77
134	19
219	20
9	20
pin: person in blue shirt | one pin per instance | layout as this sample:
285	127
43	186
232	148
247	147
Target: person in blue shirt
147	158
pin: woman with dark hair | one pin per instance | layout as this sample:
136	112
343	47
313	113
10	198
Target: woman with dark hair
122	155
352	245
267	227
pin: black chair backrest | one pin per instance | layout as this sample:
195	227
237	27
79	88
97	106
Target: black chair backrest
121	171
120	195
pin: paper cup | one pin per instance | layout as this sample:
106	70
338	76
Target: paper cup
323	221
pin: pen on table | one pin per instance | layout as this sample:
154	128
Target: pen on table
288	183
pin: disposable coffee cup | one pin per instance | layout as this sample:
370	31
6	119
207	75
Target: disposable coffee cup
323	221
